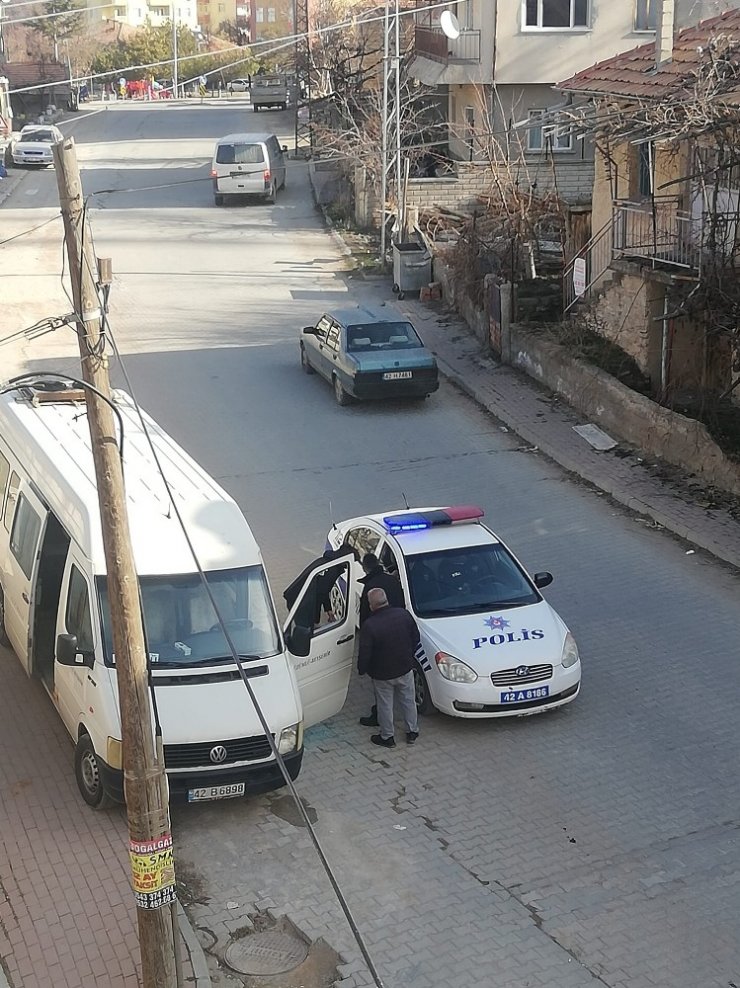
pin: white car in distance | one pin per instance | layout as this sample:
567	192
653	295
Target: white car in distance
34	145
491	645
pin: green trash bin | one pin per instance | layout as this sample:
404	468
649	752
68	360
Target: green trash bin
412	267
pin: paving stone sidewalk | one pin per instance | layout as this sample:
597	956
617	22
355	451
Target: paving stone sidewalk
67	917
542	420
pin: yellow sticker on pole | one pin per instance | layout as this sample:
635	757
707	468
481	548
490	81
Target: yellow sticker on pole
153	871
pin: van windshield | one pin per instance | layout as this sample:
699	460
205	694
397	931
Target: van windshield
182	628
240	154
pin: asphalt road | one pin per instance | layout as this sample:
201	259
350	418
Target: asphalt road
595	846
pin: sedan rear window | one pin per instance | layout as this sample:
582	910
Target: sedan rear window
37	137
363	337
240	154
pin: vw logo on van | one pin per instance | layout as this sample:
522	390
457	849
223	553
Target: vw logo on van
218	754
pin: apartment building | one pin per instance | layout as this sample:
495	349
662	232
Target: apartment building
213	13
135	13
509	54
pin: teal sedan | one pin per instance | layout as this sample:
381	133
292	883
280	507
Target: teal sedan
368	352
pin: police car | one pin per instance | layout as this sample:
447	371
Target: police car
491	646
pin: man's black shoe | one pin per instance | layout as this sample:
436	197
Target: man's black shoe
411	737
371	721
383	742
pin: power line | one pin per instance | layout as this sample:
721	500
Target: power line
276	43
346	909
33	229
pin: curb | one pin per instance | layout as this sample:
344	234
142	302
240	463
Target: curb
635	504
640	507
196	952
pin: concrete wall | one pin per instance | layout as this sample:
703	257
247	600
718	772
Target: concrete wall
527	55
674	438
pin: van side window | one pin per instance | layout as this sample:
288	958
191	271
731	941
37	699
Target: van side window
25	535
15	483
4	471
77	615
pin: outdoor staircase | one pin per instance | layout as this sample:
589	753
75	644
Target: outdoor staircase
597	254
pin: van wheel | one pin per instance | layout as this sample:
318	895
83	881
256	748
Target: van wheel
304	362
219	200
423	697
4	640
87	773
339	393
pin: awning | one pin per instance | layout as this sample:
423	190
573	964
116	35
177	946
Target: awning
427	71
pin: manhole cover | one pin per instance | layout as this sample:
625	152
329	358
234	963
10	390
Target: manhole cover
266	954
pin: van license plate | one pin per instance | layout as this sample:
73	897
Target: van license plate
397	376
215	792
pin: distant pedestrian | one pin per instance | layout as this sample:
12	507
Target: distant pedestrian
388	642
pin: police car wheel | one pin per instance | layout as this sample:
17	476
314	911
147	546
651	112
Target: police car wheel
421	691
304	362
87	773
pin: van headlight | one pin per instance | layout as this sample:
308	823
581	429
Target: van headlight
453	669
570	652
289	739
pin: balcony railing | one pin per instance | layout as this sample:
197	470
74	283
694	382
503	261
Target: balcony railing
431	42
658	231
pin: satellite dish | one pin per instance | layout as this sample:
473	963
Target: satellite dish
448	23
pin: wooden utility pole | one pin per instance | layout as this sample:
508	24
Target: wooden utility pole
150	841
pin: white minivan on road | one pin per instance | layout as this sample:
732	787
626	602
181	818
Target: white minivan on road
247	165
54	607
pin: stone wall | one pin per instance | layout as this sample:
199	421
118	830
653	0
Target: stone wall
659	432
623	314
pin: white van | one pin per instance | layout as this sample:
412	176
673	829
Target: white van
248	165
54	607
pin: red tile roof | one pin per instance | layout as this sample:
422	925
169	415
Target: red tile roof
21	74
633	74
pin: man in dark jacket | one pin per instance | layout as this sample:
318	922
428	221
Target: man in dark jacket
376	576
388	642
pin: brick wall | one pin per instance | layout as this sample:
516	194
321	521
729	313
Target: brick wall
573	180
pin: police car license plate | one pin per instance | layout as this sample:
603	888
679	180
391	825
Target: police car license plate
521	696
215	792
397	375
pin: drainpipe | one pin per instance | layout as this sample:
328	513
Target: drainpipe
665	351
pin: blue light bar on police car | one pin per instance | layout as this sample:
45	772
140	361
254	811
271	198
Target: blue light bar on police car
417	521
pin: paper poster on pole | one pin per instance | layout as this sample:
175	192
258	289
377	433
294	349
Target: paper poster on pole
153	871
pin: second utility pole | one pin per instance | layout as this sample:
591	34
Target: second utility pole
150	844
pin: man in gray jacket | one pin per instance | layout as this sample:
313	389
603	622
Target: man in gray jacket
388	643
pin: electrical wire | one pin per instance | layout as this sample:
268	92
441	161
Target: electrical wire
359	939
276	43
33	229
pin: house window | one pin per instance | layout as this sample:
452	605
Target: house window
646	15
259	15
645	169
270	15
555	13
547	137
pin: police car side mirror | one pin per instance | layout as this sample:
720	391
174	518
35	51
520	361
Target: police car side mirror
299	641
68	654
284	147
542	580
310	329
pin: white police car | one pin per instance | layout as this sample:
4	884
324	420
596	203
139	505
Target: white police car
491	646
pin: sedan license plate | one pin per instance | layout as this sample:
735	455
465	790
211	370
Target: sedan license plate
215	792
522	696
397	376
